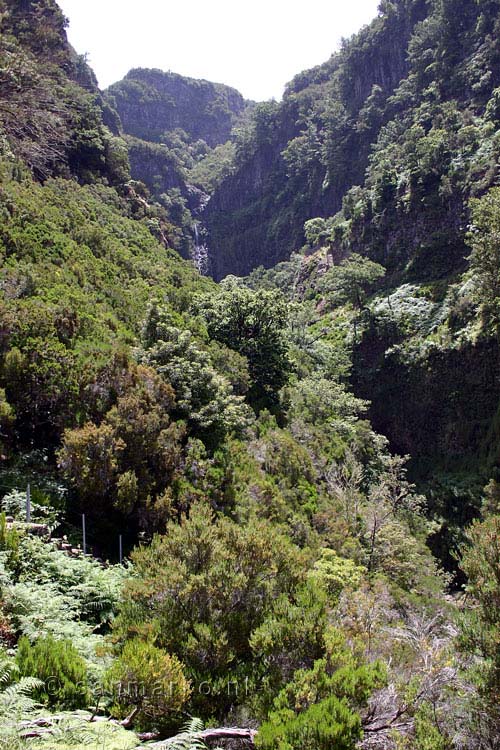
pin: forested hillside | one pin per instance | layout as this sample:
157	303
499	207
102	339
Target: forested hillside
179	135
262	512
381	152
404	114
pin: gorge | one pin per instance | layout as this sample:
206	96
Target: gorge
254	349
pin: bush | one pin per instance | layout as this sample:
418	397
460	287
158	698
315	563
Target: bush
228	600
148	685
319	708
325	725
60	668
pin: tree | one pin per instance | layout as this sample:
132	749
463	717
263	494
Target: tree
129	459
34	375
316	231
481	627
396	529
203	396
351	280
253	324
218	596
319	401
484	239
336	573
90	457
7	419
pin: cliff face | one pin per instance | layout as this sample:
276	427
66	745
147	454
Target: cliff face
151	102
440	408
395	112
53	116
154	165
307	152
387	143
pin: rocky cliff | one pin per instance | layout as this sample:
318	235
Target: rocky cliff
53	115
304	154
152	102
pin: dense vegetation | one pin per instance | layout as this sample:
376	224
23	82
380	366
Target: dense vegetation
285	572
152	103
180	135
383	151
404	115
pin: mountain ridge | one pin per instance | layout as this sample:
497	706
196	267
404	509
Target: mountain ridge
151	102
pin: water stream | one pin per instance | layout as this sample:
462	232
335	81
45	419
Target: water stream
200	253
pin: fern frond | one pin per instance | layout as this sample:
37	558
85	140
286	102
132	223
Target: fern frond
18	698
193	725
7	672
189	738
25	686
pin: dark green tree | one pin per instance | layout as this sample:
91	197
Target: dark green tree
351	281
253	324
484	238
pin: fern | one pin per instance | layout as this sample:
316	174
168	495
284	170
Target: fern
8	670
16	702
69	599
6	675
73	731
188	739
14	504
17	698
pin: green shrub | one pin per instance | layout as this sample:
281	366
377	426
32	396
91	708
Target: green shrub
147	684
319	708
326	725
60	668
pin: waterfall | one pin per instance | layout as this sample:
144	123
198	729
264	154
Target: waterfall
200	255
200	252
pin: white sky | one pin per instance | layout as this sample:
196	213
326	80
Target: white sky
257	47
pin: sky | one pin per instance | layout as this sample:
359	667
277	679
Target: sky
256	46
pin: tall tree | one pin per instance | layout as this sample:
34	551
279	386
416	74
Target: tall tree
253	324
484	238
